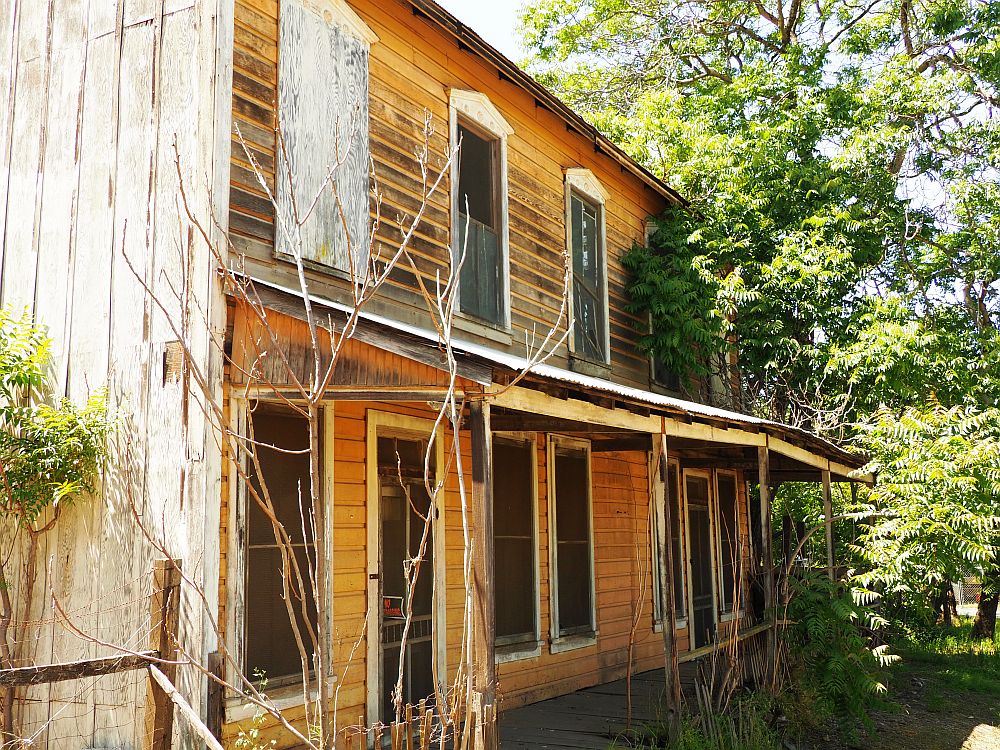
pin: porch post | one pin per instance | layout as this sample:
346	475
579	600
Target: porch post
828	514
672	685
766	556
483	645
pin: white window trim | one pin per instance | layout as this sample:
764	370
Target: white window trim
584	182
707	474
479	110
726	615
382	423
658	497
527	649
236	708
558	643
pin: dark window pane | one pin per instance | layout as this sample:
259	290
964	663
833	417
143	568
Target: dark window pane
588	269
728	540
573	558
270	643
476	177
514	540
676	509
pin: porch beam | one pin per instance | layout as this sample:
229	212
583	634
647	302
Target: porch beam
828	522
483	651
766	556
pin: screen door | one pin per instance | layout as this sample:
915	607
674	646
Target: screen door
699	520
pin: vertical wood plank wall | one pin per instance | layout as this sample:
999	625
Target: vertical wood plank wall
97	94
412	67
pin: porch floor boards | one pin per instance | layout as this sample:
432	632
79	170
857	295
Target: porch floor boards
591	718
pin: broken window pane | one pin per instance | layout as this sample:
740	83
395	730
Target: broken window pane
588	280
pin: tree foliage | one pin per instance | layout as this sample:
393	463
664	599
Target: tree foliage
841	161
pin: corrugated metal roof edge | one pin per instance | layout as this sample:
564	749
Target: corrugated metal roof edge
516	363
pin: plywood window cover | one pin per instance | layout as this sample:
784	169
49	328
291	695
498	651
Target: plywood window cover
477	108
339	13
558	643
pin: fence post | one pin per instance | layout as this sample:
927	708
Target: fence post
164	612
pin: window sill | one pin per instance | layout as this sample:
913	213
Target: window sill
518	652
288	696
467	324
730	616
589	367
679	625
572	642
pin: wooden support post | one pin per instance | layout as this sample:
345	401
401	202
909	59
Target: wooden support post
766	556
828	521
164	613
672	682
214	717
483	650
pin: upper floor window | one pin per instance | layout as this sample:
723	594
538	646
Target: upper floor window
479	207
322	183
585	199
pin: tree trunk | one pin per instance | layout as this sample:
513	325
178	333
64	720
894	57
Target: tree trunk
985	625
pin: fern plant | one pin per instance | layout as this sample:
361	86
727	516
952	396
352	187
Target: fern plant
830	639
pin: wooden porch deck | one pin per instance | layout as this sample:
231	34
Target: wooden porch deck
588	719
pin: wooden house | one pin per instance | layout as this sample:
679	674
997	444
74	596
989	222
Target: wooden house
598	470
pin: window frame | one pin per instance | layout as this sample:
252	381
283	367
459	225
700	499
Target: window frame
527	649
392	424
724	614
584	185
658	497
558	642
477	113
291	695
709	476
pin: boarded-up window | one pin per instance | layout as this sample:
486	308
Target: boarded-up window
270	642
729	551
589	313
574	580
514	541
323	115
479	230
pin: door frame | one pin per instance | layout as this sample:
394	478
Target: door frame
707	475
379	424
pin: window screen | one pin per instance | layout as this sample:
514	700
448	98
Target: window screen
729	551
572	523
514	541
676	540
589	312
270	643
323	113
479	231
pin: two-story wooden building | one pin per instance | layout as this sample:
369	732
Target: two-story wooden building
597	470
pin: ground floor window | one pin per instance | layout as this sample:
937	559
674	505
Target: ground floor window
282	438
514	541
571	530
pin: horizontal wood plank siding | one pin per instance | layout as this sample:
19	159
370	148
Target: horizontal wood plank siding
412	67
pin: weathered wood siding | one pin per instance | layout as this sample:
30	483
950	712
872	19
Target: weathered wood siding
412	68
97	96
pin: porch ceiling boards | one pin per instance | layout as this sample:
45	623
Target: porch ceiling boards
553	399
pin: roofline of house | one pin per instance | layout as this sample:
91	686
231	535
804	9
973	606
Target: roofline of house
468	40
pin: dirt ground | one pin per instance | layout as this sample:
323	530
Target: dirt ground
936	707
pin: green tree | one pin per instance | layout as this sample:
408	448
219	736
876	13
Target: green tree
841	164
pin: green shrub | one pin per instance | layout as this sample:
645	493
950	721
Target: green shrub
830	640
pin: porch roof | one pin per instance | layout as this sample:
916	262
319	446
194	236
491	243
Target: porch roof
483	365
